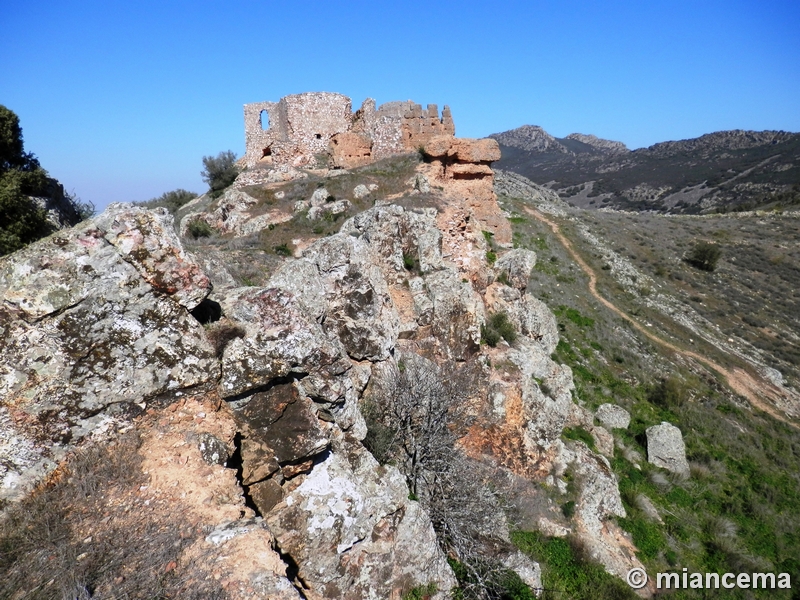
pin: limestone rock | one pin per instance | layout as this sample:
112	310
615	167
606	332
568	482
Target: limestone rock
598	500
546	414
529	571
353	532
212	449
281	339
331	208
613	416
603	440
94	322
236	212
362	190
517	265
665	448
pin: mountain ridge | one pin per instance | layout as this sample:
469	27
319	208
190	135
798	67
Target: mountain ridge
716	172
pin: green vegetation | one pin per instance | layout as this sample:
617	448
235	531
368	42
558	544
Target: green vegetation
704	256
172	201
573	315
219	171
21	176
282	250
579	434
567	573
199	229
498	327
421	592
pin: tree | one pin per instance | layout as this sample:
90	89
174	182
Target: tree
21	219
219	171
704	256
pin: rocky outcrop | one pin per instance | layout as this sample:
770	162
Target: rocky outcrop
95	323
665	448
234	213
462	166
113	318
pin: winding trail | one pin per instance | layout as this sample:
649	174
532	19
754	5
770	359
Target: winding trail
738	380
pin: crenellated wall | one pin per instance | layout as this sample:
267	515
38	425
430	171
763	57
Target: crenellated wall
305	127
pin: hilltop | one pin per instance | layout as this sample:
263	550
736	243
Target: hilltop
371	365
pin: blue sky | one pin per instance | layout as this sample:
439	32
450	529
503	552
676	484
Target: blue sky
120	100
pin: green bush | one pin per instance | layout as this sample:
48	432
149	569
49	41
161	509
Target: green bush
420	592
172	201
669	392
198	229
704	256
219	171
22	221
282	250
498	326
578	434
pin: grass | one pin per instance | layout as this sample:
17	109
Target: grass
566	572
740	509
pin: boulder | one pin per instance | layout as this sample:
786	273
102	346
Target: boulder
469	150
613	416
517	265
94	323
665	448
353	532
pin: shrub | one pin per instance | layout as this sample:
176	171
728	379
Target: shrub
704	256
22	221
219	171
667	393
420	592
198	229
172	201
410	262
579	434
500	323
282	250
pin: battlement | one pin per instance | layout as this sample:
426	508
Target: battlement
300	127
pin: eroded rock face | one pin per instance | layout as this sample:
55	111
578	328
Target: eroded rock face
353	531
665	448
94	322
517	265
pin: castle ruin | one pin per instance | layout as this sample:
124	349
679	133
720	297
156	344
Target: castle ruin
302	127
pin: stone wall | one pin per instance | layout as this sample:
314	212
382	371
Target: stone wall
306	128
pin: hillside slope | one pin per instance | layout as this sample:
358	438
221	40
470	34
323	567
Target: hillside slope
718	172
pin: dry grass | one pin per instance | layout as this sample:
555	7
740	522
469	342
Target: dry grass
83	536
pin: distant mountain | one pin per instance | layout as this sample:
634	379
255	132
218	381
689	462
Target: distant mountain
717	172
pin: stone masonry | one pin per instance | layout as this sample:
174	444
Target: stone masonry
305	126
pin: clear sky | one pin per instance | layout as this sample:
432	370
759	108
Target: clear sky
120	100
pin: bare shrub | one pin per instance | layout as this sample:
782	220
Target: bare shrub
412	419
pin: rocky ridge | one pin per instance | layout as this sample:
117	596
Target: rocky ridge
112	325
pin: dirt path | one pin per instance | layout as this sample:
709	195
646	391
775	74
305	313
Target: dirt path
738	380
